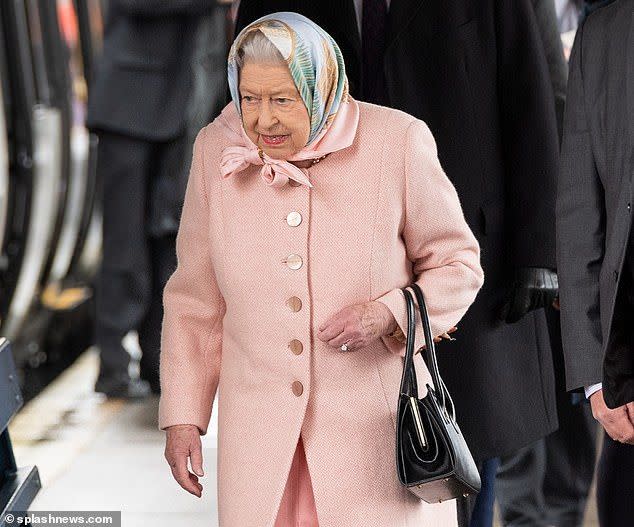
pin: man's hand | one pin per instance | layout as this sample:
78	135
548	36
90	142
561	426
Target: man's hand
618	423
182	442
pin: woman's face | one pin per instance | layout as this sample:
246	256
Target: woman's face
273	113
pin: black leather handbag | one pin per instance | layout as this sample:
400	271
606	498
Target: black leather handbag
433	460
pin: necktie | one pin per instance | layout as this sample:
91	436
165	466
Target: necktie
373	32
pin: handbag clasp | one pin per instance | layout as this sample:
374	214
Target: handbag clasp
418	421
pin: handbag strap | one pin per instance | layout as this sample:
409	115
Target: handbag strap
408	379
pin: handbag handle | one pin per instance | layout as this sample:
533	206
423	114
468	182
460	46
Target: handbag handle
408	380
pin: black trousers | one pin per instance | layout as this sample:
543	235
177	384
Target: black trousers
615	484
141	203
548	482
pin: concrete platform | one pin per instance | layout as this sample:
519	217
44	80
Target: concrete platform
95	454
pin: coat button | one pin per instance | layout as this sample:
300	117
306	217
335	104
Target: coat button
293	183
294	219
629	207
298	389
294	303
293	261
296	346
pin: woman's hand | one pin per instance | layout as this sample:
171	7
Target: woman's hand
182	442
360	324
357	325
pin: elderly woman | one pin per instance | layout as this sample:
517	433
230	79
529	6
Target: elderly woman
305	213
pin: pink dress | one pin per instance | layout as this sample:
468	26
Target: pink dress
297	508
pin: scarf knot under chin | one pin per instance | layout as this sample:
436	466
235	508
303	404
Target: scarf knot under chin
274	172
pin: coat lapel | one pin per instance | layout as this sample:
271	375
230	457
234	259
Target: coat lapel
401	14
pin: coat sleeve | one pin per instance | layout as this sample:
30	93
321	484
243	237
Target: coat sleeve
444	253
528	134
191	337
580	236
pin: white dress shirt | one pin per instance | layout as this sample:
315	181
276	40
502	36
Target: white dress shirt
593	388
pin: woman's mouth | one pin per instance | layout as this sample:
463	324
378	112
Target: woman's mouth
273	139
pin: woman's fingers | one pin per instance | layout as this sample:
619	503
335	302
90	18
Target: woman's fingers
356	325
183	443
444	336
351	342
333	332
330	330
196	459
184	477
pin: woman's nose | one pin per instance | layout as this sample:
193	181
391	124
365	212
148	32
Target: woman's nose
267	118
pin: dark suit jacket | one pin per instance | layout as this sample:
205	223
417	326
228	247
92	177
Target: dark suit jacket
546	16
595	196
475	72
143	77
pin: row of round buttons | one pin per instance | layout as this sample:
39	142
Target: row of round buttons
294	261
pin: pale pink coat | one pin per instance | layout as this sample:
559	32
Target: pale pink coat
381	212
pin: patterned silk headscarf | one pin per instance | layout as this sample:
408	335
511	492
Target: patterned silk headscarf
314	61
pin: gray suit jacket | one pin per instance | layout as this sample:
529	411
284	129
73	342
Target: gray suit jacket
595	196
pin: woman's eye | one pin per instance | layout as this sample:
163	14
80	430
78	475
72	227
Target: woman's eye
248	98
282	100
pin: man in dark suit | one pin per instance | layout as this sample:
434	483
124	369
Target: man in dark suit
137	106
475	72
547	483
596	243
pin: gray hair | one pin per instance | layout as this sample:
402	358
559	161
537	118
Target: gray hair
257	48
